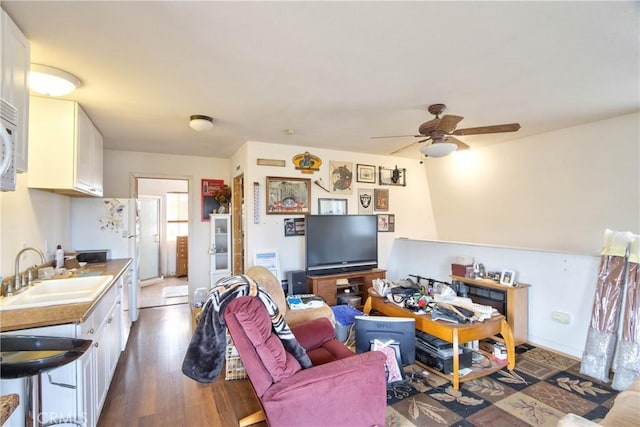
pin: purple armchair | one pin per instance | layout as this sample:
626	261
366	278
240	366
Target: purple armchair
341	389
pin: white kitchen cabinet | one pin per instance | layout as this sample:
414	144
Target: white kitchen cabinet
16	58
98	364
124	287
220	246
65	148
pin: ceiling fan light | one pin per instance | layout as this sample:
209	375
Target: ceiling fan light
438	149
200	123
51	81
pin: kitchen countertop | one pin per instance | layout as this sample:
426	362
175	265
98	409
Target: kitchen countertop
8	404
13	320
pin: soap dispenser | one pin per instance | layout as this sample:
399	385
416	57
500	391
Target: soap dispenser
59	257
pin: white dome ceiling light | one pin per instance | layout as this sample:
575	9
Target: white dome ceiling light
51	81
200	123
438	148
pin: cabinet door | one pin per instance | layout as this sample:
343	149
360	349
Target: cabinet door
83	150
96	161
87	387
220	246
15	71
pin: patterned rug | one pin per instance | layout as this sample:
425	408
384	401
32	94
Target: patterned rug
542	388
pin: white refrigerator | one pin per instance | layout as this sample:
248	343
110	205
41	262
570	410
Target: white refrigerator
114	225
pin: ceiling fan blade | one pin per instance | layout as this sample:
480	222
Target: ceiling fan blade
448	123
510	127
396	136
461	145
407	146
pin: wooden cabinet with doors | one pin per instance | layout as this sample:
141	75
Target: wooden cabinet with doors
182	256
220	247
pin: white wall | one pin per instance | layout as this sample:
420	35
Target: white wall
556	191
411	204
121	166
31	217
559	282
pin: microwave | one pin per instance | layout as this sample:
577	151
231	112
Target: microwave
8	129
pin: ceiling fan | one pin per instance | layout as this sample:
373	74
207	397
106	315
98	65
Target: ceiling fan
440	131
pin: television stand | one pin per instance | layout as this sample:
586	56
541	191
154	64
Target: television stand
355	283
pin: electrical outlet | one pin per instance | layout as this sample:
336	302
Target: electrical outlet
560	317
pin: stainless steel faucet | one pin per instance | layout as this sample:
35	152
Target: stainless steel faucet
17	266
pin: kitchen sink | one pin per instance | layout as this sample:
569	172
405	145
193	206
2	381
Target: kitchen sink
57	292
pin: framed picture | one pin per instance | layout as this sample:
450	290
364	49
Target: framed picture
288	195
386	222
366	173
268	260
508	277
341	177
381	199
392	176
294	227
332	206
365	201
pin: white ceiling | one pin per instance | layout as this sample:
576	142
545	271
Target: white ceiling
336	72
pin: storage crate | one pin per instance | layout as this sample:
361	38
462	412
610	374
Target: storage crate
234	369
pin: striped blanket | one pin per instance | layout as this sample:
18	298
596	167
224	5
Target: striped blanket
205	354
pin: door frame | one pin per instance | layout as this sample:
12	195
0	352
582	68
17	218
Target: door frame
237	225
133	190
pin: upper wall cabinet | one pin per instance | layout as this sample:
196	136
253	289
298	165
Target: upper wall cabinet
65	148
16	54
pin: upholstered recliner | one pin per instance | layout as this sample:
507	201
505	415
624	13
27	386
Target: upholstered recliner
340	389
267	280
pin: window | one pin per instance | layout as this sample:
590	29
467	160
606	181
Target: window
177	215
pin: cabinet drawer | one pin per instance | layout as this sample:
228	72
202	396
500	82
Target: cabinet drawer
89	327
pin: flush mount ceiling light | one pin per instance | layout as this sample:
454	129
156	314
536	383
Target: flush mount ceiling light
200	123
438	148
51	81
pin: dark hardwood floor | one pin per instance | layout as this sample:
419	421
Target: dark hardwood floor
149	389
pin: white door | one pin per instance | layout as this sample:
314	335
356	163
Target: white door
149	237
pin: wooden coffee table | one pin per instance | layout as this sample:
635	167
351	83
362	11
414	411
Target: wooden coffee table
455	334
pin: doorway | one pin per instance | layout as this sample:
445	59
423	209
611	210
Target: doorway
164	216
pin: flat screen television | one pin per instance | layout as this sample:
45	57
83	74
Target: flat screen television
399	329
340	243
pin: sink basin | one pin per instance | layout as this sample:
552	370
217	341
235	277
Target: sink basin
26	355
57	292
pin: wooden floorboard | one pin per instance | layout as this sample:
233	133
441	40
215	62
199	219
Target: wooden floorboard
149	389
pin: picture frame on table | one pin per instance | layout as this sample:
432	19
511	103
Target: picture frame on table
332	207
365	173
508	277
286	196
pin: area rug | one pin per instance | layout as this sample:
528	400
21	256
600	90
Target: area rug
542	388
175	291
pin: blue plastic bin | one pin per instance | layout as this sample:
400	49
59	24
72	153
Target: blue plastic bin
345	317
